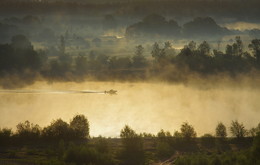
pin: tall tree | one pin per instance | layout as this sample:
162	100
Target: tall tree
221	130
188	131
80	126
254	46
139	60
132	151
156	51
204	48
237	129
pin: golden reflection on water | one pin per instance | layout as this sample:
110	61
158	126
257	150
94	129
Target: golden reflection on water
146	107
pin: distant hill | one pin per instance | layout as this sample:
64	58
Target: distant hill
153	25
203	26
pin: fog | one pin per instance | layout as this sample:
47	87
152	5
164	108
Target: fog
146	107
242	25
84	42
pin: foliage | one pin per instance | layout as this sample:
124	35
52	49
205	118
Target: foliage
221	130
208	141
20	55
5	135
102	145
132	151
255	47
58	129
256	149
80	126
86	155
237	129
180	148
27	130
253	131
139	61
187	131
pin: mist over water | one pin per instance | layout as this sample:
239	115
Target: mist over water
146	107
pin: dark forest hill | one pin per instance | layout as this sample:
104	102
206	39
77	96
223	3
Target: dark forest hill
239	10
156	25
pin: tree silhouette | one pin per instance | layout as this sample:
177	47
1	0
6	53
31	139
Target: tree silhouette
188	131
254	131
204	48
5	135
207	140
139	60
221	130
27	130
256	149
238	46
158	54
58	129
132	152
192	45
21	42
237	129
80	126
167	45
255	47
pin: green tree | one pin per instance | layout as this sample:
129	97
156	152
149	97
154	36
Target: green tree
167	45
5	135
139	61
156	51
102	145
21	42
221	130
256	149
192	45
188	131
204	48
80	126
238	47
28	130
185	52
58	130
253	131
132	152
159	55
237	129
208	140
254	46
229	50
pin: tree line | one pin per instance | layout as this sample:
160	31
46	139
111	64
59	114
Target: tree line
73	144
21	59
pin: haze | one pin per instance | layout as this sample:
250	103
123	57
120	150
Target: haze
147	107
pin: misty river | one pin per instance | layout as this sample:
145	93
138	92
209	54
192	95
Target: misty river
146	107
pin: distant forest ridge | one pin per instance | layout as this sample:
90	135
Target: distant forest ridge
105	1
239	9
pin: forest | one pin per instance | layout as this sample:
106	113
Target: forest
70	143
19	60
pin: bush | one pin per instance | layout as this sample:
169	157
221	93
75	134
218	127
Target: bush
5	135
132	151
85	155
208	141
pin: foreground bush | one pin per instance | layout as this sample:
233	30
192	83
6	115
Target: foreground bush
85	155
